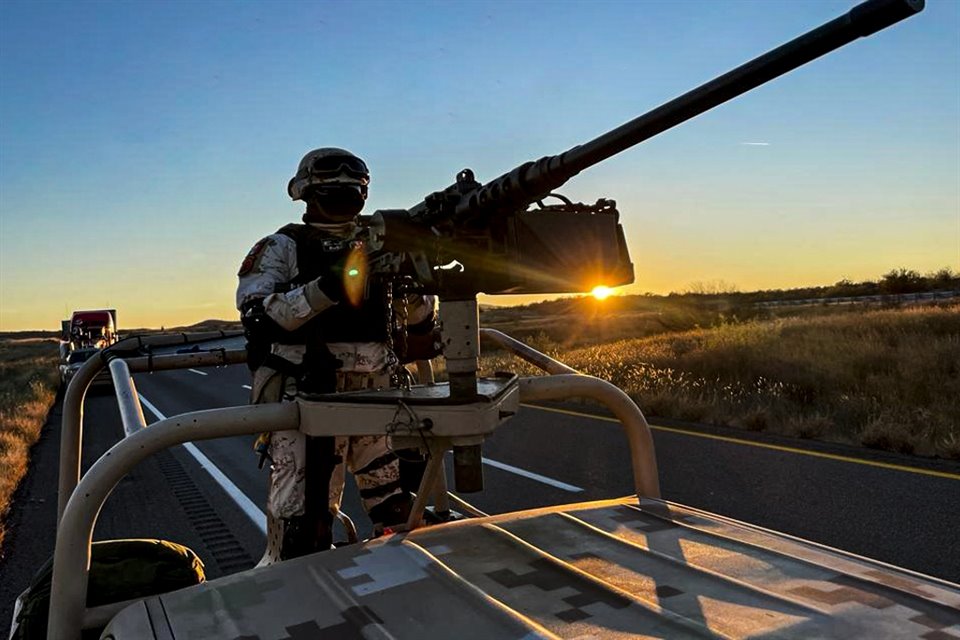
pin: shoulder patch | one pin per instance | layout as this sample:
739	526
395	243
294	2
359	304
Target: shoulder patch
253	257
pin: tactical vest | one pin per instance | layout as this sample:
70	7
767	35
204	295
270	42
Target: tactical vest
320	254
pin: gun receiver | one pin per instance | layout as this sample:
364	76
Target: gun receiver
503	248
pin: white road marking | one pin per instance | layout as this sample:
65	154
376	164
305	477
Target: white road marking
246	505
246	386
533	476
199	373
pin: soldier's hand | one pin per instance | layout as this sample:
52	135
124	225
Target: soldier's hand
346	283
332	286
343	286
423	346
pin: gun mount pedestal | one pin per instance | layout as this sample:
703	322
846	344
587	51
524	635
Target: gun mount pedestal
461	342
461	349
430	418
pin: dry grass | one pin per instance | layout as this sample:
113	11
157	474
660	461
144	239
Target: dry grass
888	379
28	386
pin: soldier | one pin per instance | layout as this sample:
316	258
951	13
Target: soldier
315	323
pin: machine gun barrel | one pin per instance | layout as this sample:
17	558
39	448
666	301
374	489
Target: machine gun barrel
534	180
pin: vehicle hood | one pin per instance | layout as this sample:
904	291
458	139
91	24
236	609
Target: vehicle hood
607	569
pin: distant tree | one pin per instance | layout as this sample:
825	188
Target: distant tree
901	281
841	289
711	288
945	278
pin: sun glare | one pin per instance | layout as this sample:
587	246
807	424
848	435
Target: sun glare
601	292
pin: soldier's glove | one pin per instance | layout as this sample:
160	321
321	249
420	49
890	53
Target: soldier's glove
346	285
423	346
323	293
330	285
424	341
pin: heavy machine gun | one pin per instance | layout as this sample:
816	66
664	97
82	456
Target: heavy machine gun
475	238
504	248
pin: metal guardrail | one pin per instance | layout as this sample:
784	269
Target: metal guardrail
880	298
81	500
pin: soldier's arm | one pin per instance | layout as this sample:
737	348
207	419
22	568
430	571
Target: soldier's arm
269	266
423	335
421	313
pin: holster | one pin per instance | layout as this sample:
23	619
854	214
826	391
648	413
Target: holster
319	369
257	352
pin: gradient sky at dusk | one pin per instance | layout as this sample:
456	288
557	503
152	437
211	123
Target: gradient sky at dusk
145	146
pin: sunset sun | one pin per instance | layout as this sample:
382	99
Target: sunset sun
601	292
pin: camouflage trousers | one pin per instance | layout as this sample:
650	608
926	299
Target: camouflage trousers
369	458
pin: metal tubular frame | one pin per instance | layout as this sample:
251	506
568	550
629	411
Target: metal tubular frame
465	507
81	501
71	429
131	413
71	558
642	457
565	382
424	372
431	477
526	352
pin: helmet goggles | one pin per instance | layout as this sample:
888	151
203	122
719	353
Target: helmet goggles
325	167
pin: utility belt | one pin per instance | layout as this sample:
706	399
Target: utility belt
356	380
345	380
284	366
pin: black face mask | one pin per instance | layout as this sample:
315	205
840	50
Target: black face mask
334	203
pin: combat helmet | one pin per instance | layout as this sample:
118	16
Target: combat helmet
329	166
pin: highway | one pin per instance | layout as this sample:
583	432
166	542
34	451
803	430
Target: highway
892	508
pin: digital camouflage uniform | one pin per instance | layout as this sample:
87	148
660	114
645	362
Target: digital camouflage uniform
271	265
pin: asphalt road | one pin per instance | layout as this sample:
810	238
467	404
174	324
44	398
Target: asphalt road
897	509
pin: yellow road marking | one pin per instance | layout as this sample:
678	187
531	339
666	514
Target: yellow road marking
763	445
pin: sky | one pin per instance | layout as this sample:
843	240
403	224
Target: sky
146	146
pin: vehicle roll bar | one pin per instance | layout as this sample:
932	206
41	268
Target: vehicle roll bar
82	500
71	429
71	558
565	382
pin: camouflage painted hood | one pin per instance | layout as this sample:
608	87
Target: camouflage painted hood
606	569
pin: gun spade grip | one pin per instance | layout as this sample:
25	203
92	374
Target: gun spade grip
874	15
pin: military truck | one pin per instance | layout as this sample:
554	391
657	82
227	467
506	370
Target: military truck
637	566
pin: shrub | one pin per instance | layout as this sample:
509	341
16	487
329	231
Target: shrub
28	383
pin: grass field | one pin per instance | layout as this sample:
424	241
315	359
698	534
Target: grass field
28	386
887	378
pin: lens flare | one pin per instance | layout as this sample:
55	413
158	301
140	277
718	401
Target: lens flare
601	292
355	276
